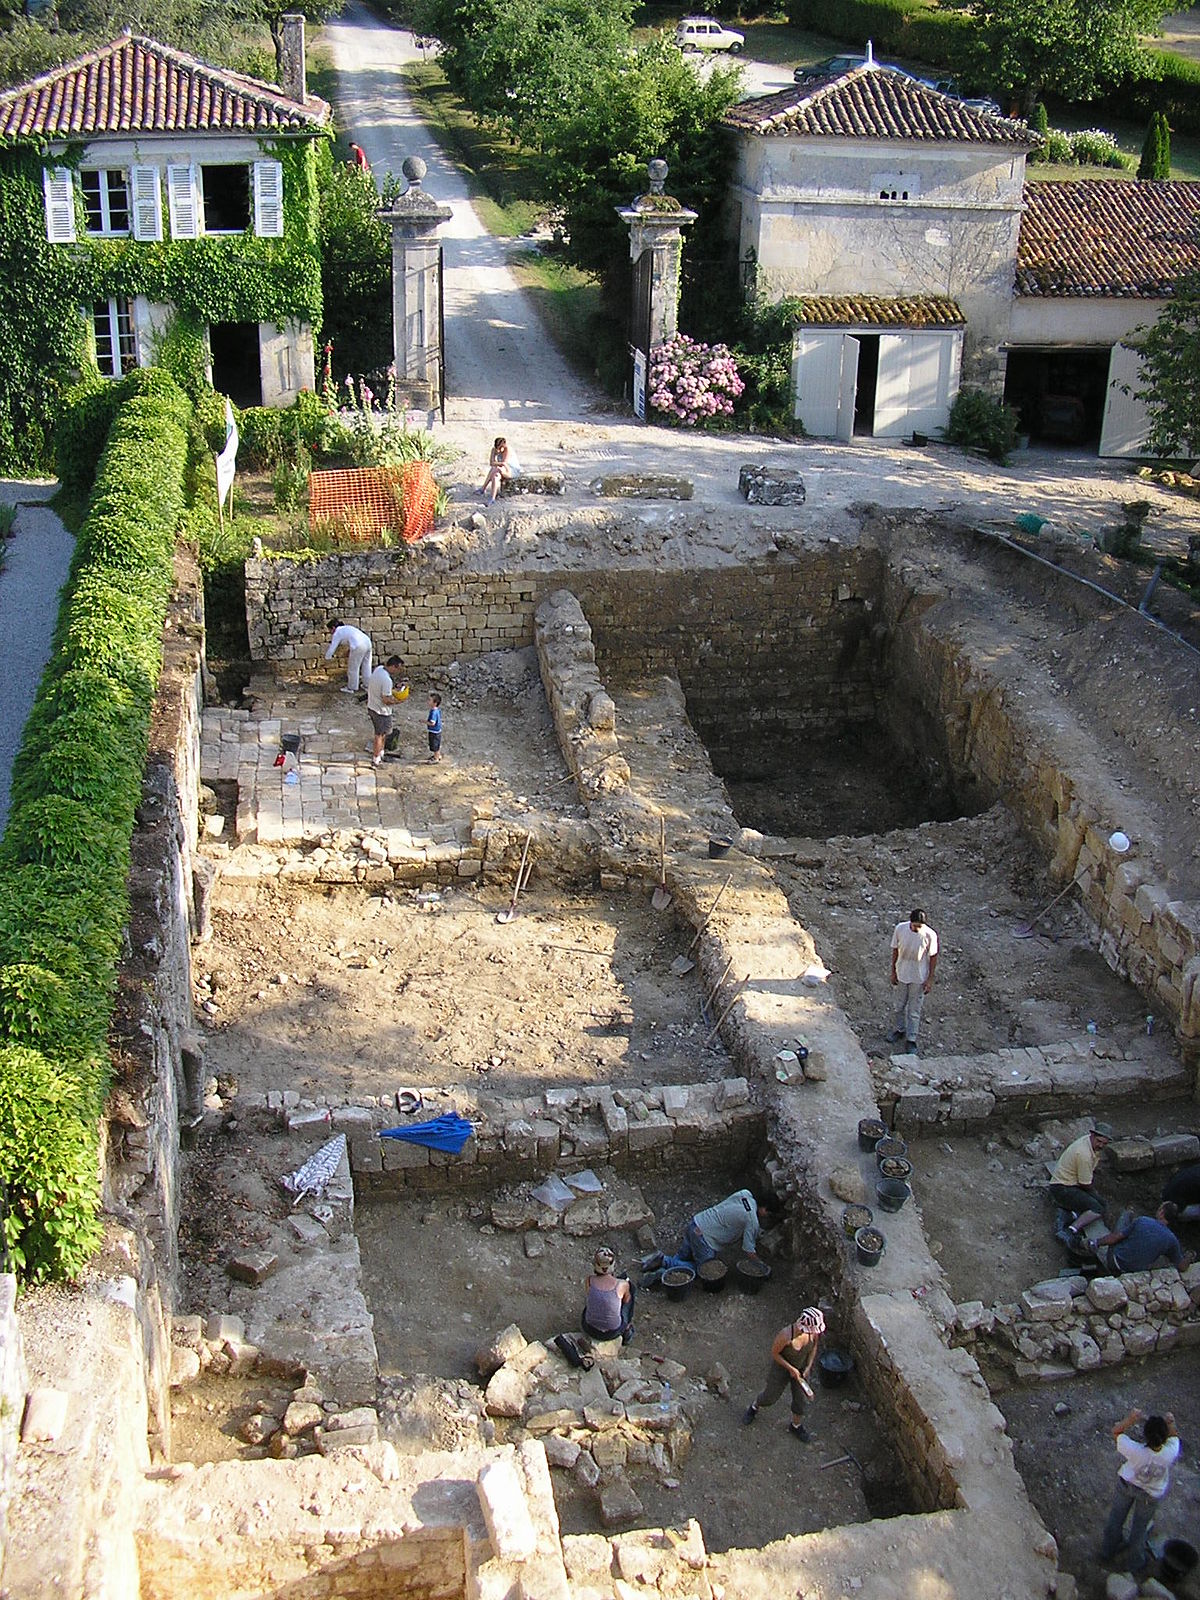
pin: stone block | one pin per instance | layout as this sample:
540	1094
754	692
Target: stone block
584	1217
507	1344
731	1092
185	1366
221	1327
315	1120
771	486
1107	1294
1021	1085
301	1417
252	1266
550	481
650	1134
587	1473
971	1105
619	1505
1140	1340
354	1121
556	1421
561	1452
1046	1302
547	1134
1131	1155
642	486
608	1450
520	1139
1085	1352
398	1155
506	1510
307	1231
45	1415
675	1099
506	1393
916	1106
1175	1149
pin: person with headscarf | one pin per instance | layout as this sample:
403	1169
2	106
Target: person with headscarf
608	1311
792	1356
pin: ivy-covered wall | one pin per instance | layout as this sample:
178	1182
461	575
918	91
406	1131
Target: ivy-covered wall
44	286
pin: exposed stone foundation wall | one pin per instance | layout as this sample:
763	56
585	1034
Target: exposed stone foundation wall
960	1094
584	713
1051	781
680	1127
802	631
1068	1325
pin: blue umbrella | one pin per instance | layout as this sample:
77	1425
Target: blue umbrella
447	1132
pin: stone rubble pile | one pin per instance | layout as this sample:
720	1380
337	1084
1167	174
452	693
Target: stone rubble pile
604	1426
1076	1324
305	1422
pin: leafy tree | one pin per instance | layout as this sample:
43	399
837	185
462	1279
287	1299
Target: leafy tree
1170	353
1076	48
356	268
271	13
648	103
1156	151
524	63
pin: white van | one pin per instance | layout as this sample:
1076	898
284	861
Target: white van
706	33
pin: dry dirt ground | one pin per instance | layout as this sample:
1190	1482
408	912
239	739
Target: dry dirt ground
746	1486
1068	1461
341	993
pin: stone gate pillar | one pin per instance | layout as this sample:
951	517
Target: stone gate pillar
417	287
656	223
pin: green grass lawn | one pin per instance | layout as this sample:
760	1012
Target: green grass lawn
568	302
1185	149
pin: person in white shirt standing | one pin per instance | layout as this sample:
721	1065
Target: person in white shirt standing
914	962
1143	1479
385	688
358	644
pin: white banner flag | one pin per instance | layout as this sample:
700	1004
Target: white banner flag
227	460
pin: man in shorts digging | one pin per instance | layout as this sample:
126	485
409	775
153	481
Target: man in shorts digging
381	697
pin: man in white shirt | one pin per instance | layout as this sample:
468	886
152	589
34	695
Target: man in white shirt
914	962
381	697
1143	1479
358	644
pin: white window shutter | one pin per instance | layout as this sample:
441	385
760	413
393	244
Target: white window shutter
60	205
183	202
268	199
146	203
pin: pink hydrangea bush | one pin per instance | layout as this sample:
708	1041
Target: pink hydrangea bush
692	382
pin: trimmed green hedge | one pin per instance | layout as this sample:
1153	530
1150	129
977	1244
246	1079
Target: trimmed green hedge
1176	92
895	27
77	782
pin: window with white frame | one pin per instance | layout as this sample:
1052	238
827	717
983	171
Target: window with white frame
113	337
106	201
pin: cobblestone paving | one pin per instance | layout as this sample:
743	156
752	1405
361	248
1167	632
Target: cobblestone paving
495	752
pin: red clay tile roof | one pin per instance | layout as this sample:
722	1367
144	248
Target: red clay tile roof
874	102
1108	238
876	311
136	85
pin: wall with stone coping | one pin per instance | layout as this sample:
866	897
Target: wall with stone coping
1054	786
1069	1325
922	1097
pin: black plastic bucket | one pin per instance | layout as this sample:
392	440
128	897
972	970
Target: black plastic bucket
869	1243
870	1131
712	1275
291	743
718	846
855	1217
678	1281
751	1274
891	1146
891	1193
1178	1561
835	1366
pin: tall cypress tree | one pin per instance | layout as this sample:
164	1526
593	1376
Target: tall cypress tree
1156	150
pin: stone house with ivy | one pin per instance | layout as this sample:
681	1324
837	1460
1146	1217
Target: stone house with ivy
898	223
180	210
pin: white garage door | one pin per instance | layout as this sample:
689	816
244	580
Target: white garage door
824	378
1125	425
918	380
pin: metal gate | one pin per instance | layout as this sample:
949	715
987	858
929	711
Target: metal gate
442	333
640	310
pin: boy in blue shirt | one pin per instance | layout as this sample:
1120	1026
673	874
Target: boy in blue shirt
433	726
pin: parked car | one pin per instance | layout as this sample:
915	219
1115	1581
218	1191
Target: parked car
706	33
830	67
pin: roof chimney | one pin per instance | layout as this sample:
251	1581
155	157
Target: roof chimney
292	80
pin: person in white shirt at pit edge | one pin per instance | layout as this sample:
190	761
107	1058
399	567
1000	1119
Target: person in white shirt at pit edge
358	646
914	962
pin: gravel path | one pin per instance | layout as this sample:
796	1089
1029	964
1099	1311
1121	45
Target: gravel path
36	560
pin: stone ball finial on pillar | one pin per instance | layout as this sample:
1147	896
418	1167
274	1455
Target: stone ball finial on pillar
414	169
658	175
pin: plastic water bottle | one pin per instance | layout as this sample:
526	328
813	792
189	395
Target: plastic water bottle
665	1405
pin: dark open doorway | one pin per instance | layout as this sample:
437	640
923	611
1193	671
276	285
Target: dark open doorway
1059	394
236	369
868	381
